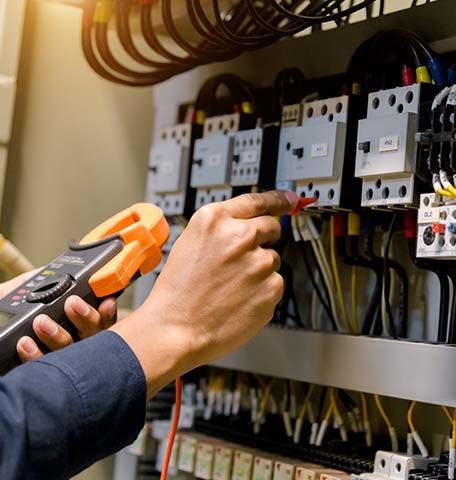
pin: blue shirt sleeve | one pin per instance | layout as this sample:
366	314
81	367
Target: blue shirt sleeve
71	408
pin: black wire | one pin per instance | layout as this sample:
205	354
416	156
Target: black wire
347	400
288	403
371	322
363	263
323	298
320	18
387	277
401	272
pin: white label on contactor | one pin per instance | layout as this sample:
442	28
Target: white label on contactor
428	215
249	157
319	150
389	143
167	167
214	160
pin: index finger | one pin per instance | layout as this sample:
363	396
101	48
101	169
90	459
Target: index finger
252	205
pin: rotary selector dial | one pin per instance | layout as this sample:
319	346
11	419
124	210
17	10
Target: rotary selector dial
50	289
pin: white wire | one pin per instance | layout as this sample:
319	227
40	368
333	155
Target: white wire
303	222
440	97
452	96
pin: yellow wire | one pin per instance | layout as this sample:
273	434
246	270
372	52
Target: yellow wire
335	268
330	409
385	417
264	400
354	316
444	193
448	414
453	433
334	403
364	411
410	417
306	402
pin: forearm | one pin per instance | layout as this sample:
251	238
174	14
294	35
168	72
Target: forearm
164	349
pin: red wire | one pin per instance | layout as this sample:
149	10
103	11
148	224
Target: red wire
174	427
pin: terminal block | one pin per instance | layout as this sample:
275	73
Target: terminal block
169	163
436	228
213	159
394	466
255	158
316	154
386	158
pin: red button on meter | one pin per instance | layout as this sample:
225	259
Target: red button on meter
438	228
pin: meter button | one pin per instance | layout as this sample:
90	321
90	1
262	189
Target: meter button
49	290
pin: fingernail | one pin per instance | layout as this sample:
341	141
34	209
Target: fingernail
292	197
113	310
46	325
28	345
80	306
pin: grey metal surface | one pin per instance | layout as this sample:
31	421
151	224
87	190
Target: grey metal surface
415	371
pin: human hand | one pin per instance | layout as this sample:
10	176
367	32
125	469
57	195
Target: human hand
87	320
218	288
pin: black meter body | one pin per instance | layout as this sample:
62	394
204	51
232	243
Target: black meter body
102	264
46	292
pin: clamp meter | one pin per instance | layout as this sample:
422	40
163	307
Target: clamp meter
102	264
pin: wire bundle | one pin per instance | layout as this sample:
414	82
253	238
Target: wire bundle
392	58
220	30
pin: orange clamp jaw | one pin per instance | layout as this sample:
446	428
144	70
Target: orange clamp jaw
144	230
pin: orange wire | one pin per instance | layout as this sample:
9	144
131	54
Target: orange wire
174	427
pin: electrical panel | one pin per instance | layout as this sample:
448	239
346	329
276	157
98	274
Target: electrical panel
213	158
255	157
386	158
168	169
377	147
312	154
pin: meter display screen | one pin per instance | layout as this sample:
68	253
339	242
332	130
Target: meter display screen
5	318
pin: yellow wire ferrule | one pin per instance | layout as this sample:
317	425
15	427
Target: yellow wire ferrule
422	75
200	117
356	88
246	107
354	224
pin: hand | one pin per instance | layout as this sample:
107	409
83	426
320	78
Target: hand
87	320
84	317
219	287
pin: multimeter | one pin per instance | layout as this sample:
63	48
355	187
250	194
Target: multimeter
102	264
